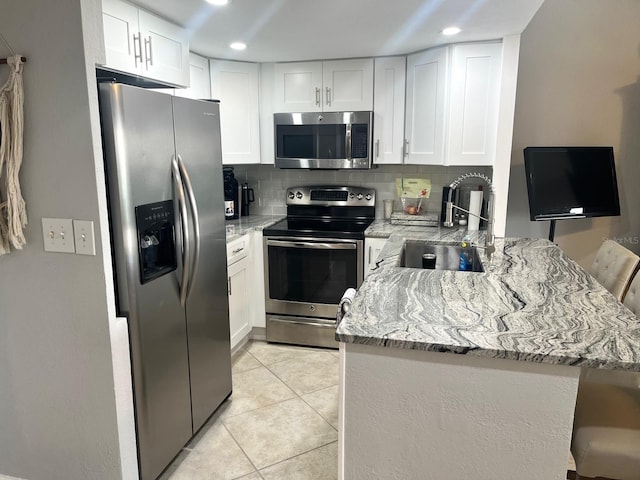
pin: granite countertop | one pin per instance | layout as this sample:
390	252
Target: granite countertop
532	303
243	225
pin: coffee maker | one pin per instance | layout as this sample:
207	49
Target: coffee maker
231	194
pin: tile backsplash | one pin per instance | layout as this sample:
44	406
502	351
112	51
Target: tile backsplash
270	183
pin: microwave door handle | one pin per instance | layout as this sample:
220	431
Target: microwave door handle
184	227
348	135
193	268
313	245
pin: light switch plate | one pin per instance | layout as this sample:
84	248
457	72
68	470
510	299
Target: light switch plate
58	235
84	237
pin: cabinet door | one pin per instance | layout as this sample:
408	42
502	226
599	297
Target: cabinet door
120	23
425	113
239	321
388	109
473	104
165	49
199	84
235	84
298	87
372	248
347	85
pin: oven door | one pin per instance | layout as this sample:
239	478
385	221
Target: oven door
307	276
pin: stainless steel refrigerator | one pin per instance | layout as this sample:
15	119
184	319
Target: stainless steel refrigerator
164	174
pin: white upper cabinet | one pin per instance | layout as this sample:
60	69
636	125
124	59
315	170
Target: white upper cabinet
330	86
388	109
473	104
199	85
235	84
427	75
142	44
298	87
452	105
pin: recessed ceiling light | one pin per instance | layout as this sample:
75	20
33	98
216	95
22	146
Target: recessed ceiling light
451	31
218	2
238	46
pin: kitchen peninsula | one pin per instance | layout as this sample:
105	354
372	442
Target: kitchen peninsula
448	374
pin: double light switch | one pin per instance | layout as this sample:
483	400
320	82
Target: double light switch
68	236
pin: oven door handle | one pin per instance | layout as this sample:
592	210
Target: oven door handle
316	245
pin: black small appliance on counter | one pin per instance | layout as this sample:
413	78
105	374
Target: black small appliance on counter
231	200
247	198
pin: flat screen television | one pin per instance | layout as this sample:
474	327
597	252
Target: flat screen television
571	182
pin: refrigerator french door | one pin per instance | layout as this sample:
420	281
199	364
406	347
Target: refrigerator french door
164	174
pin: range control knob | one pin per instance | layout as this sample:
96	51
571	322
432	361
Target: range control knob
352	195
298	195
359	196
368	196
291	195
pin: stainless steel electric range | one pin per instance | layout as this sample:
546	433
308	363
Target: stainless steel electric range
311	258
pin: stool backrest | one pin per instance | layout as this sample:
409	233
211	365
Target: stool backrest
614	267
632	298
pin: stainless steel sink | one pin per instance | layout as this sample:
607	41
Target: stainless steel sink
447	256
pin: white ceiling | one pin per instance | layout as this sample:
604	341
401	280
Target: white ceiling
289	30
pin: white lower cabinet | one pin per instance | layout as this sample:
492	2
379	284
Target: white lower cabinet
239	274
372	248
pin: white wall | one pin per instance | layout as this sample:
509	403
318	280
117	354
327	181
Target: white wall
578	85
57	400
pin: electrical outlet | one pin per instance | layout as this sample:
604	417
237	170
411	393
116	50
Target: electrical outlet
84	237
58	235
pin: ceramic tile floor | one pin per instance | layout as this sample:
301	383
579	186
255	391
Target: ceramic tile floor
281	421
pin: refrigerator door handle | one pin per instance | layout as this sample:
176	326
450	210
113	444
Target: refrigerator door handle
193	268
184	227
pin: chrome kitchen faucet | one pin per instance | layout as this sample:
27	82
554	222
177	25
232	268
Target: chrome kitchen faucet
448	222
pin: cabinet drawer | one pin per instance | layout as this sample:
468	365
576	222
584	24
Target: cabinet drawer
237	249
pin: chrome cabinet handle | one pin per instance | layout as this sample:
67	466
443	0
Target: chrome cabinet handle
327	93
136	55
229	286
377	148
148	52
405	153
237	250
318	96
369	262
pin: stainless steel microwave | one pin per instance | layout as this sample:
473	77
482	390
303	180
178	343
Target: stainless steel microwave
330	140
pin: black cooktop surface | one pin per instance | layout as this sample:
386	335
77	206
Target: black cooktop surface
319	227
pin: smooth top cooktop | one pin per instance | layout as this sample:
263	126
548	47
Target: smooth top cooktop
319	228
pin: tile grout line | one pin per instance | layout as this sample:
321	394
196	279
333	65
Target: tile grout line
242	450
299	455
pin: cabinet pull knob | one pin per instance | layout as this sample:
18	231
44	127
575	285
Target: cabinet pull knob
137	52
377	148
327	93
318	96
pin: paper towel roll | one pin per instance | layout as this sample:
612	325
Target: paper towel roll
475	206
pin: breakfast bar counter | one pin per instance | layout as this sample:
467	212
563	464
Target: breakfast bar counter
473	374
